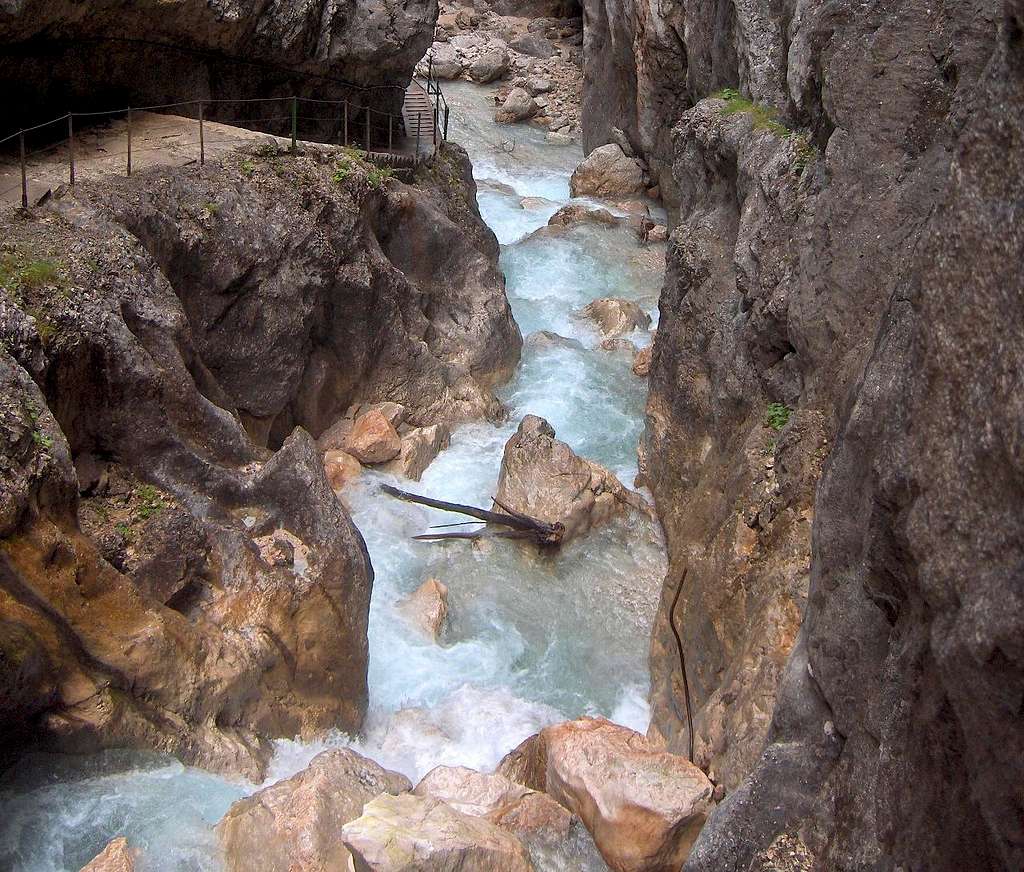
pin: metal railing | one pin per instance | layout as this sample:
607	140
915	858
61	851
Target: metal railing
438	102
356	124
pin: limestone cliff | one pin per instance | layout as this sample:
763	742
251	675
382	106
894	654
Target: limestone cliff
175	572
843	293
106	54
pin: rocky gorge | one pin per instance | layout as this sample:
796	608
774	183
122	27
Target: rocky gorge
222	647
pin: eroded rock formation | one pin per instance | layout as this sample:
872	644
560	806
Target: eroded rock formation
111	53
843	245
160	332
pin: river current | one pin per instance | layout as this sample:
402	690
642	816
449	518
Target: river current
533	639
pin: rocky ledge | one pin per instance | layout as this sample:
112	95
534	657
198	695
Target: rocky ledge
175	571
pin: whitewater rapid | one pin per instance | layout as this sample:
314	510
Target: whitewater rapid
533	639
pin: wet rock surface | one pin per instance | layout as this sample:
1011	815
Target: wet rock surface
644	807
295	824
206	591
607	172
116	857
543	478
408	832
426	608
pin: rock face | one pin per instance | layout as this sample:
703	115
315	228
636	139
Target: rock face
116	857
644	807
411	833
828	216
607	172
616	317
542	477
88	56
295	825
231	329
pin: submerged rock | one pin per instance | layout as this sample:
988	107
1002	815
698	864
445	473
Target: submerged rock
542	477
550	339
642	361
427	608
644	807
607	172
295	824
576	213
616	317
116	857
410	833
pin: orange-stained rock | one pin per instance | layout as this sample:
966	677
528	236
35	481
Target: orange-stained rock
642	361
116	857
295	825
341	468
373	438
427	608
643	807
615	317
419	447
469	791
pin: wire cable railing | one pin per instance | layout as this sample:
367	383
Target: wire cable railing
376	131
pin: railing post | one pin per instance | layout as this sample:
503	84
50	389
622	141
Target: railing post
419	117
446	122
71	147
202	139
295	123
346	124
129	140
24	171
435	124
368	129
391	131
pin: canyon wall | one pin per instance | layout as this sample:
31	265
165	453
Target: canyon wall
61	56
832	436
175	571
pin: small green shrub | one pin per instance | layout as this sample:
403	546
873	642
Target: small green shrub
42	440
125	532
377	177
777	415
343	170
248	167
151	501
18	273
805	153
209	210
764	117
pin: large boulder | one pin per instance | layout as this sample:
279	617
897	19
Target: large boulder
643	806
615	317
534	45
542	477
518	106
572	214
607	172
373	439
295	824
116	857
469	791
489	66
410	833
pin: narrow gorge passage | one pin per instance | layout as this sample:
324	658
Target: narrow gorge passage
527	644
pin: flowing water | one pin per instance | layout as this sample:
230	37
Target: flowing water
533	639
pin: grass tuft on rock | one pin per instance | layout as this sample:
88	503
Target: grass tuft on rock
764	117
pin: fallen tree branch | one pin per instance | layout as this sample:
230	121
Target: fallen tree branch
527	528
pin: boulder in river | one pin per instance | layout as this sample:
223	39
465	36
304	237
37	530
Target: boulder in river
341	468
489	66
576	213
294	825
373	438
116	857
518	106
642	361
615	317
427	608
418	449
550	339
542	477
469	791
607	172
410	833
644	807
